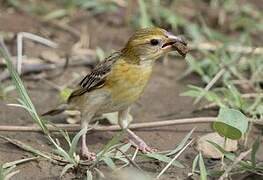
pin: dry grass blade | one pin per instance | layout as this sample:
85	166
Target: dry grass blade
236	161
175	157
25	99
32	37
130	160
210	84
27	148
14	163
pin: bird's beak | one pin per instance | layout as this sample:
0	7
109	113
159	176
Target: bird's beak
175	42
172	39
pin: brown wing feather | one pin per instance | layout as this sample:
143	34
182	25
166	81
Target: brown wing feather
97	76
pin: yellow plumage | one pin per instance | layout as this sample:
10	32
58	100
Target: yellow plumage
116	83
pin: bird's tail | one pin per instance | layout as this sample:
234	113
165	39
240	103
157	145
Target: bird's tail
61	108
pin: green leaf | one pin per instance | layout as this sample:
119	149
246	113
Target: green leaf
75	141
123	149
200	92
21	89
255	148
203	174
108	146
109	162
89	175
20	161
66	168
25	147
59	150
182	143
231	123
7	173
1	172
163	158
244	165
228	155
11	174
195	163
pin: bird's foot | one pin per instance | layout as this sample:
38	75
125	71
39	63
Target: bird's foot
142	146
139	143
86	154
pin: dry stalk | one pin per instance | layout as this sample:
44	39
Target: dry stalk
76	127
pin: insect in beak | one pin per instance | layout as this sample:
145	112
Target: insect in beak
177	43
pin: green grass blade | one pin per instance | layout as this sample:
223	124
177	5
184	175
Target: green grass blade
255	148
182	143
75	141
108	146
89	175
109	162
163	158
203	173
123	149
195	163
20	161
26	147
20	87
66	168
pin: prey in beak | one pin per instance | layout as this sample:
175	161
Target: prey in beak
177	43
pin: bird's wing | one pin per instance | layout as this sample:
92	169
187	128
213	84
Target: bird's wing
97	76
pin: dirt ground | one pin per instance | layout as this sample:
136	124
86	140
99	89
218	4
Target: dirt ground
161	99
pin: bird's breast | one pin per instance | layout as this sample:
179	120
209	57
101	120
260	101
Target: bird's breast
126	83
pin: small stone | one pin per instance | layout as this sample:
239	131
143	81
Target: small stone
209	151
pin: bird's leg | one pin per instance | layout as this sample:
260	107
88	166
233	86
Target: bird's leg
124	120
85	153
139	142
94	102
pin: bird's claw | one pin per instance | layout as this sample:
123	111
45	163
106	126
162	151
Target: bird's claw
146	149
143	147
88	155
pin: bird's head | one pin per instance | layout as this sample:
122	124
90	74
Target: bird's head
151	43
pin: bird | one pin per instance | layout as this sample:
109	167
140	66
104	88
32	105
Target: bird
117	82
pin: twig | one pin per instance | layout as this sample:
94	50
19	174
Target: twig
237	160
175	157
135	153
76	127
130	160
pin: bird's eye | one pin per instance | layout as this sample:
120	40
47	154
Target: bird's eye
154	42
